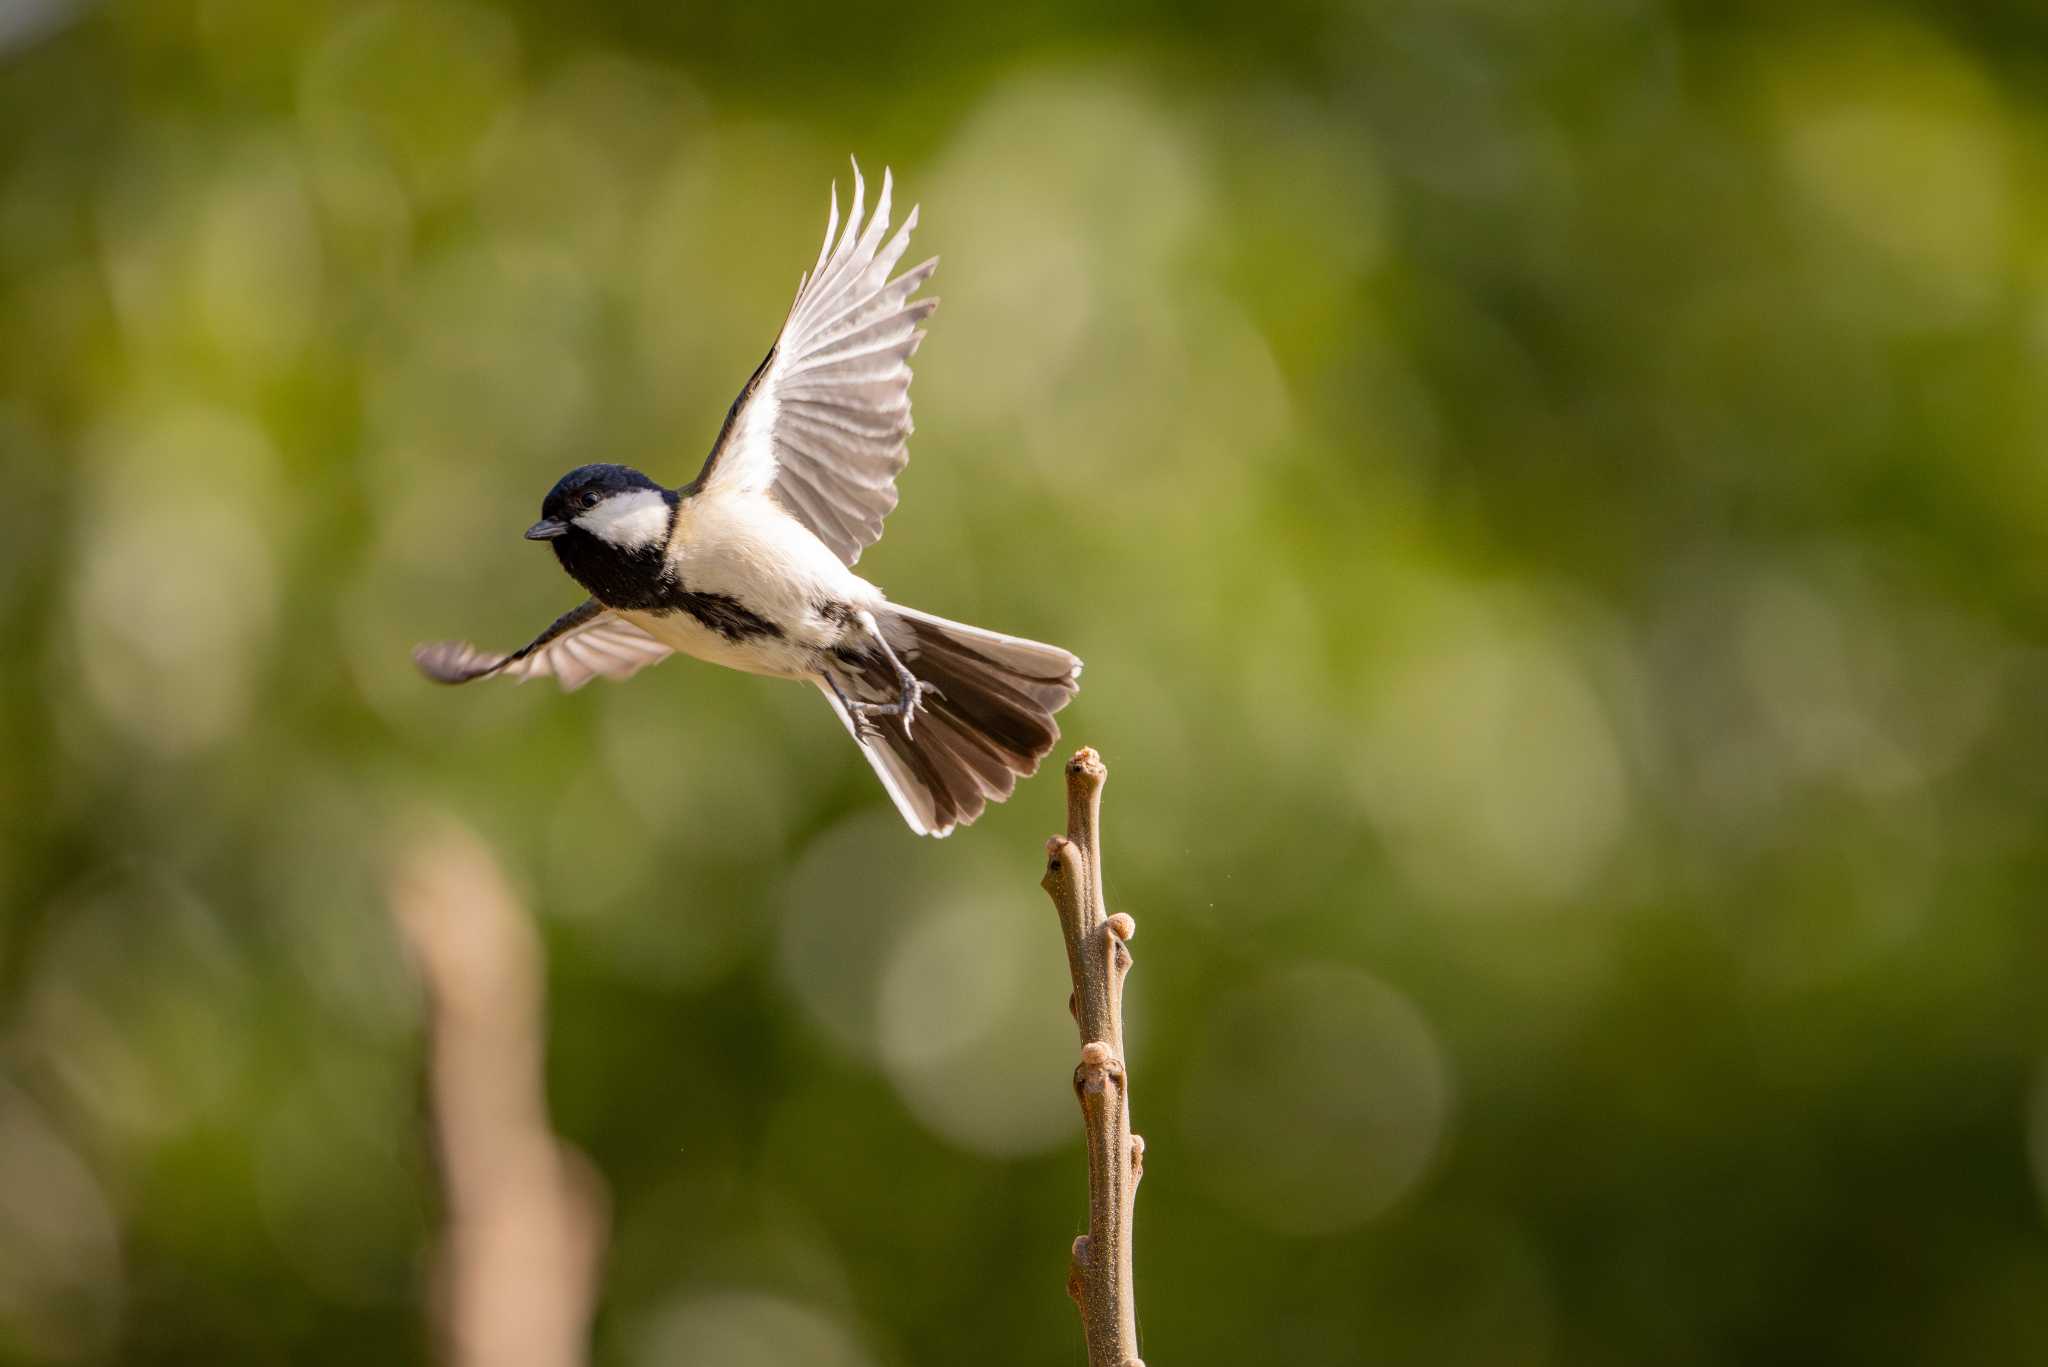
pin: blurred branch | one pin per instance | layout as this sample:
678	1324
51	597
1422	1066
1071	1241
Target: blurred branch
1099	1278
516	1274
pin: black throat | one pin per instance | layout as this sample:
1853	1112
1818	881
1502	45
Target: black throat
644	581
616	577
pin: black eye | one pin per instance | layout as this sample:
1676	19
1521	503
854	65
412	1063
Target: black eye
587	499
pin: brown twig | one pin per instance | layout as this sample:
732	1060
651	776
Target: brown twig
516	1272
1098	956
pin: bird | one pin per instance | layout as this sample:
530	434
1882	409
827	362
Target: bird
750	564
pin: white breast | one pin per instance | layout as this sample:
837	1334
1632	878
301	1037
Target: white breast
744	547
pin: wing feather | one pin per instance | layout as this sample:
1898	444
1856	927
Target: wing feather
824	421
583	643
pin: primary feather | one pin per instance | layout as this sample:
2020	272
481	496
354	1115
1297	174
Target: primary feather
586	641
823	423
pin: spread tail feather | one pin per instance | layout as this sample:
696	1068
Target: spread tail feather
988	726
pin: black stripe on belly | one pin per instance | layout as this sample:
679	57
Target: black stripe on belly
721	613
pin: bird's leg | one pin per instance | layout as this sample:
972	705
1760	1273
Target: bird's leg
863	729
914	690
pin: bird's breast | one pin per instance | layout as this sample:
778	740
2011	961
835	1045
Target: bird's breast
747	586
745	547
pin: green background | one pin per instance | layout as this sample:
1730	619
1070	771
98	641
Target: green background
1552	501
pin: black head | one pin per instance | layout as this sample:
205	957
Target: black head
580	491
609	525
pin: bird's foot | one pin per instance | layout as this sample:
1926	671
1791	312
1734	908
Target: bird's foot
903	709
865	728
913	699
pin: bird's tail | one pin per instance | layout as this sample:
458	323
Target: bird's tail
987	726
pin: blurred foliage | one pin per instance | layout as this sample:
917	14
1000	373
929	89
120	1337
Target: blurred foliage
1553	501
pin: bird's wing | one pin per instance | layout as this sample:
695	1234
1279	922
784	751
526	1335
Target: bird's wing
823	421
584	642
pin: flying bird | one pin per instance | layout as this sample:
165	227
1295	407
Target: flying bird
750	564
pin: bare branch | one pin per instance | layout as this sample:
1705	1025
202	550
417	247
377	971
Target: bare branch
516	1273
1098	957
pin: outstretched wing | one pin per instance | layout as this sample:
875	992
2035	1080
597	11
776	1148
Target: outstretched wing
584	642
823	421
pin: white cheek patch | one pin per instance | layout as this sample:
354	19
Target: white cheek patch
632	521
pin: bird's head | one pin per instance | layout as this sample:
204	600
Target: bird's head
615	504
609	527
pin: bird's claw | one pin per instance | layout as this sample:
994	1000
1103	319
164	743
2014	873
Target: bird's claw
914	700
904	710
